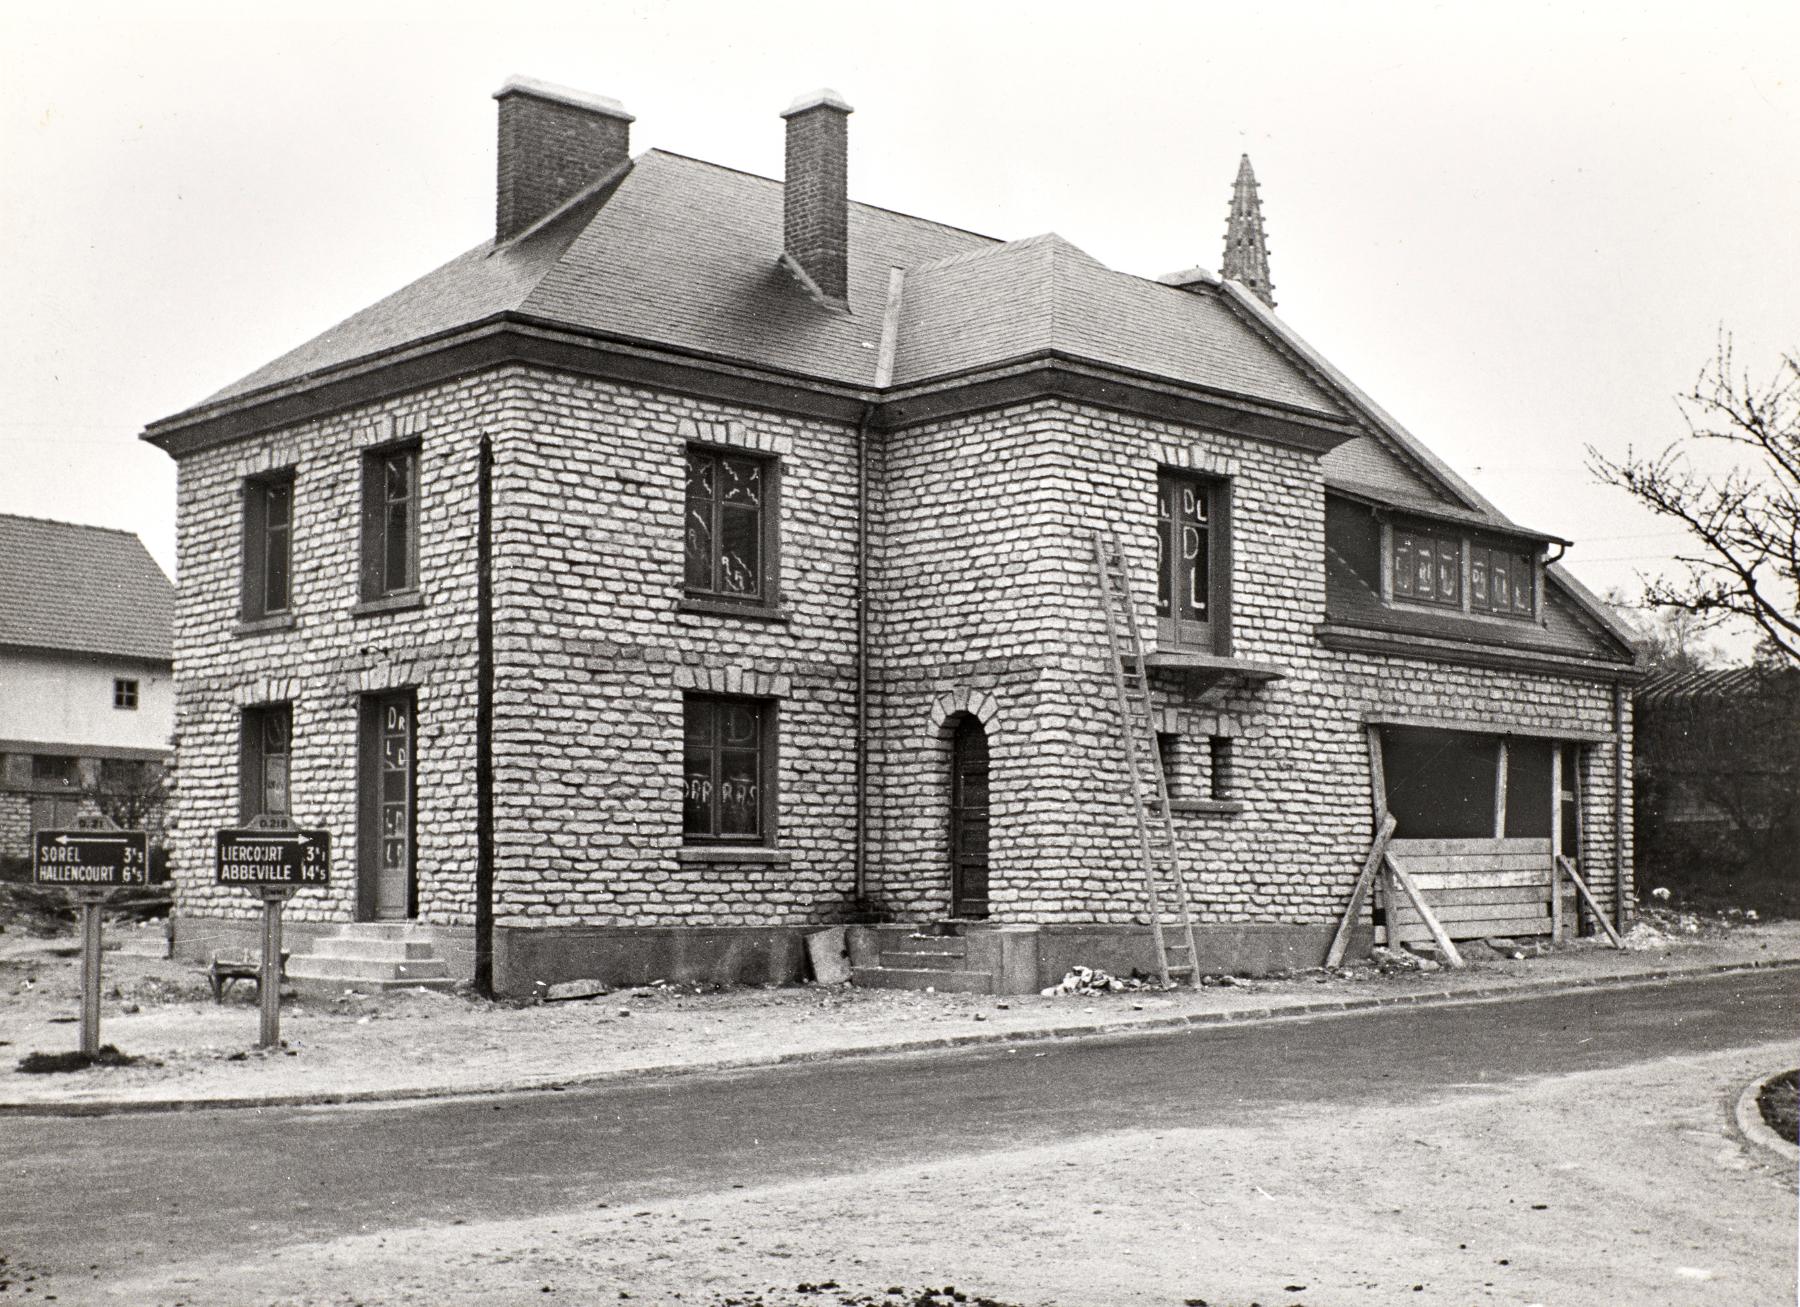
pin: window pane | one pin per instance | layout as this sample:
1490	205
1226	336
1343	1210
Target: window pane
1165	526
700	716
1502	588
1522	584
741	481
1478	577
699	520
278	503
741	723
740	550
697	792
739	800
1449	585
275	785
1403	563
397	574
275	571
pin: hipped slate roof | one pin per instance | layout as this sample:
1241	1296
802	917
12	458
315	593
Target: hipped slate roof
82	589
684	254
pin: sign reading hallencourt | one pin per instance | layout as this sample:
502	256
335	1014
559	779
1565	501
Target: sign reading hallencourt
273	857
96	859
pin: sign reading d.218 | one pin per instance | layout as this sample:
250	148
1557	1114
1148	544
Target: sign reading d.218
98	858
273	857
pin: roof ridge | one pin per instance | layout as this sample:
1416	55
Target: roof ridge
79	526
857	204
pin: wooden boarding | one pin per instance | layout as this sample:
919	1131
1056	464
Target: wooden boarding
1538	846
1371	864
1438	935
1568	869
1538	877
1476	888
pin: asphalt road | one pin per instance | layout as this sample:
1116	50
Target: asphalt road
140	1190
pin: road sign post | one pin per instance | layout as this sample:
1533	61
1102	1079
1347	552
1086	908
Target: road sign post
92	863
276	864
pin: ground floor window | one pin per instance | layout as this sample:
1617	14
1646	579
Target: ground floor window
266	762
728	770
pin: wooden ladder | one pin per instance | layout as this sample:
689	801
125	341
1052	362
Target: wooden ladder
1157	847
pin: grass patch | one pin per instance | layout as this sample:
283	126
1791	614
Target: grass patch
1780	1104
38	1064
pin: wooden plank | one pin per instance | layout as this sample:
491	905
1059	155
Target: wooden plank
1488	880
1377	777
1417	933
1450	913
1438	936
1593	907
1341	940
1518	844
1491	894
1447	864
1500	792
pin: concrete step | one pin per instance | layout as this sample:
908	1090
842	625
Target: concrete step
948	982
377	949
897	960
360	970
383	930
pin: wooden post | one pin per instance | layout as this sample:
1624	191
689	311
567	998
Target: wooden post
1377	852
1593	907
1377	777
1426	915
1500	792
1556	912
91	901
269	981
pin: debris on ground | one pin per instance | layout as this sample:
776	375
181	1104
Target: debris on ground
829	1293
565	990
1090	981
37	1064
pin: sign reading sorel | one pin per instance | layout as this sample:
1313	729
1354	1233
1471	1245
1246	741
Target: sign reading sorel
272	857
98	858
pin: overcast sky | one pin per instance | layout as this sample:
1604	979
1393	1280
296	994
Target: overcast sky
1519	227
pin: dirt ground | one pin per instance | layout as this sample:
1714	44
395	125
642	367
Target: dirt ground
416	1042
1620	1186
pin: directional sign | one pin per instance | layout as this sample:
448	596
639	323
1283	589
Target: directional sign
273	857
88	858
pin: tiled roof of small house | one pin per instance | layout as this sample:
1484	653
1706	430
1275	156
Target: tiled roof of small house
82	589
684	254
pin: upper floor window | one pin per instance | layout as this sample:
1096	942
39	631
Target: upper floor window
125	692
730	536
390	522
1192	562
1428	566
266	761
728	770
1500	581
268	544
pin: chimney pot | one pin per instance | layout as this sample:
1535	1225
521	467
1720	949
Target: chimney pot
555	142
816	201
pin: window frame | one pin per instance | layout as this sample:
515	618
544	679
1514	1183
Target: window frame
257	536
767	754
125	693
64	775
1468	545
1172	630
714	597
377	506
253	757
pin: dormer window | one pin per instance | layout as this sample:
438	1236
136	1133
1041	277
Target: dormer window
1500	581
1445	567
1428	566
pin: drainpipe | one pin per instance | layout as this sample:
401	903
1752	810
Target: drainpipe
1618	813
484	721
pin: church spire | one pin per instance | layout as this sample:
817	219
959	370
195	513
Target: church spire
1246	251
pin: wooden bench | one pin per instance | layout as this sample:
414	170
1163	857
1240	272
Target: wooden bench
1477	888
225	970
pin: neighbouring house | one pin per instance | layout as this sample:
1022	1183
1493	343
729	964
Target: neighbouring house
1718	783
87	693
703	559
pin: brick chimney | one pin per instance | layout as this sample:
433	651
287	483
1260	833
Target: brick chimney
554	144
816	205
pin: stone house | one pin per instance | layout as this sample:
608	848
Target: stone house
87	691
704	559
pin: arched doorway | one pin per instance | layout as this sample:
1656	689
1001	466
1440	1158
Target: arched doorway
969	820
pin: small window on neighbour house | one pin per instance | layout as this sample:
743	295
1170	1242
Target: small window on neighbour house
730	526
125	693
390	522
55	769
268	545
728	770
267	762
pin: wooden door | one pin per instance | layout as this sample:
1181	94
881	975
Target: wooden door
969	821
385	888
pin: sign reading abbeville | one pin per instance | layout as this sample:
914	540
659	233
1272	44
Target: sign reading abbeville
273	857
90	858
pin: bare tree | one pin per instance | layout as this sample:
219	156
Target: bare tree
1745	518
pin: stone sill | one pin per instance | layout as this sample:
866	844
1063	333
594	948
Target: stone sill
394	603
1207	807
711	853
723	608
264	625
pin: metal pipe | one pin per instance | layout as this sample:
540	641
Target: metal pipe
90	971
862	659
484	722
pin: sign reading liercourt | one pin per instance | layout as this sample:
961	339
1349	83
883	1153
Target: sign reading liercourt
273	857
90	858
